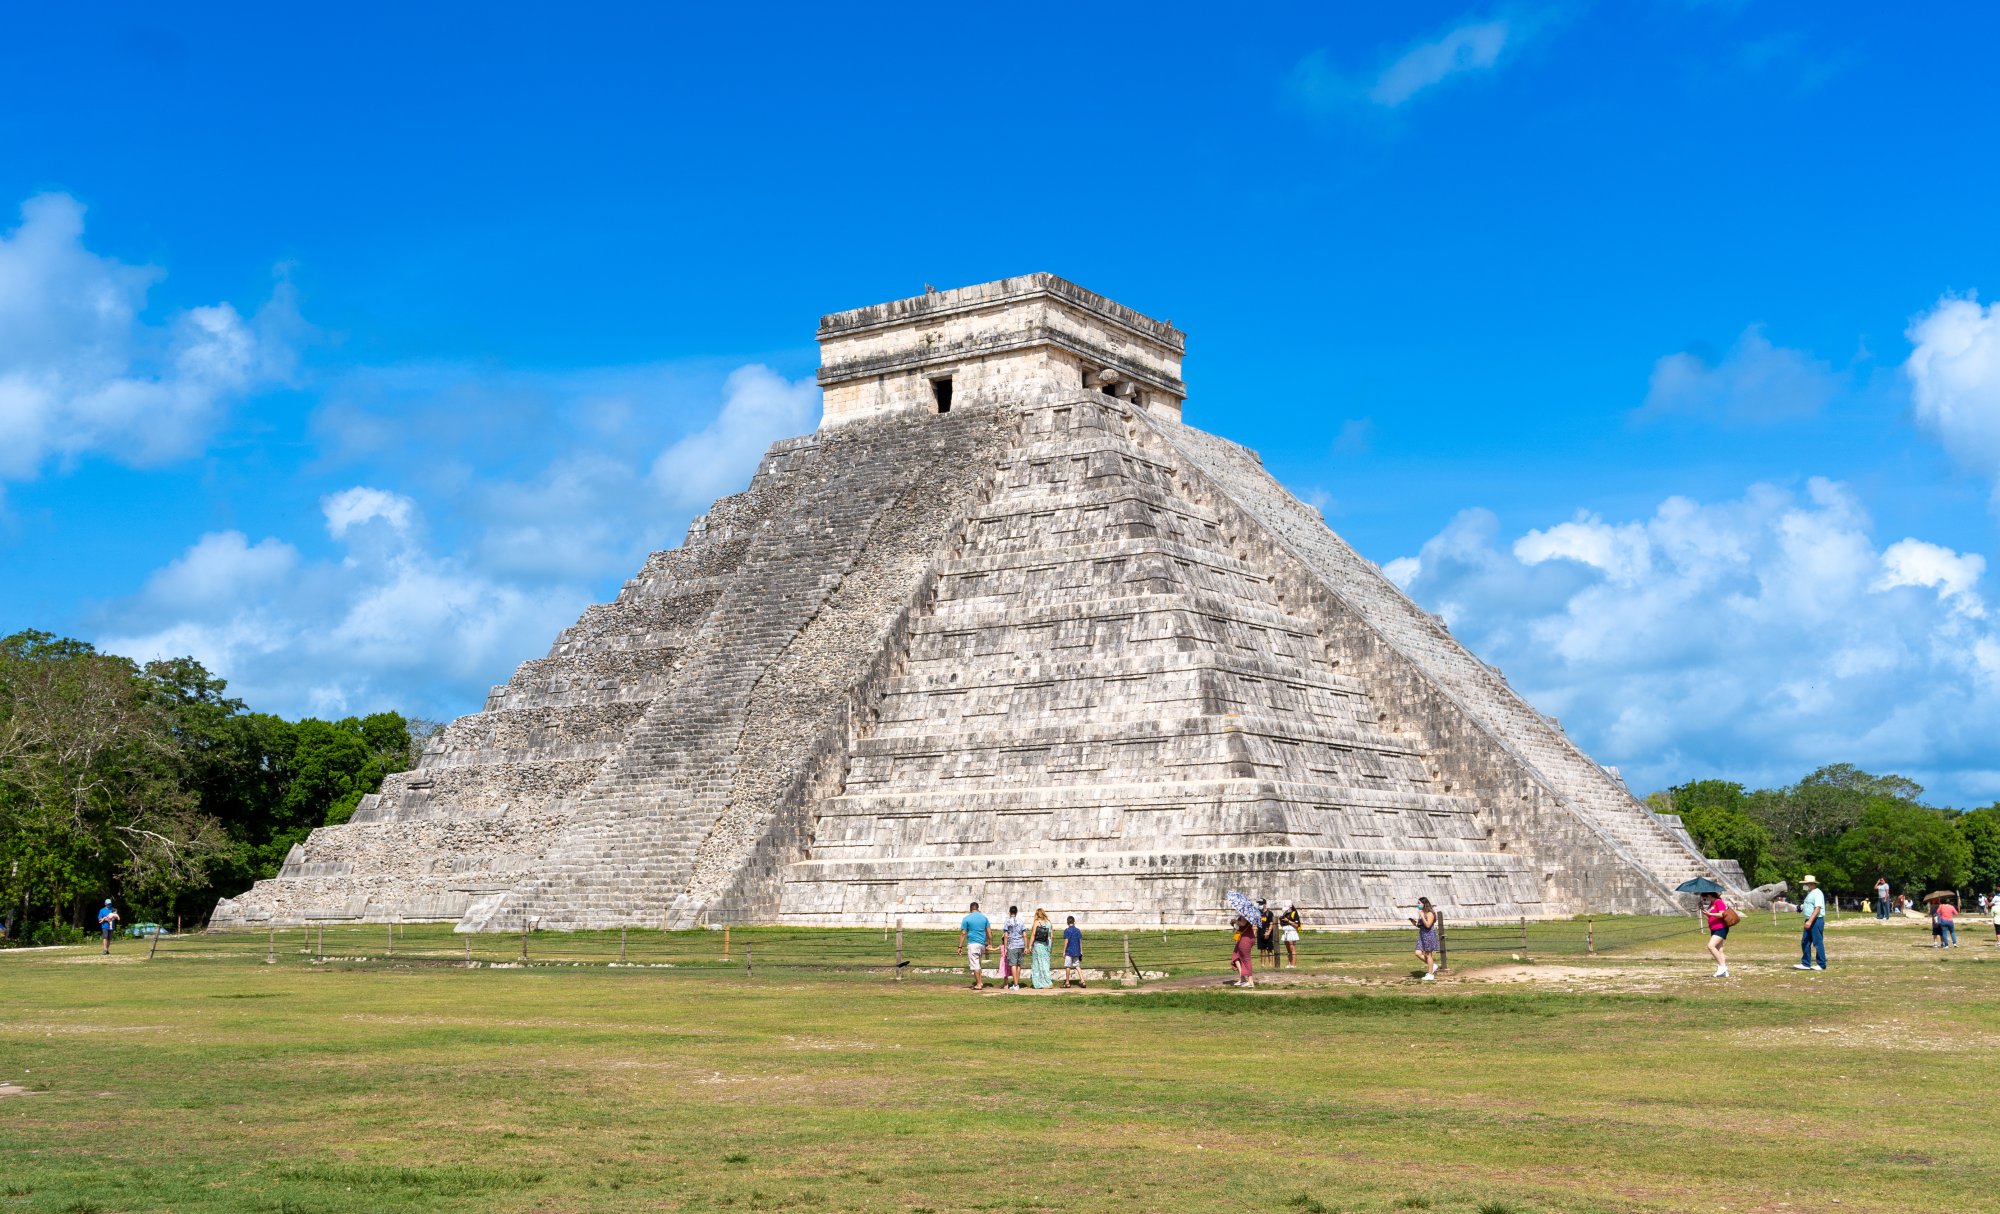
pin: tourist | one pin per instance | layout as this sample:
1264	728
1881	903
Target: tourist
1072	953
1882	898
1427	938
1947	915
972	936
1267	933
1040	937
1937	927
1288	931
1812	937
107	923
1718	931
1246	938
1016	942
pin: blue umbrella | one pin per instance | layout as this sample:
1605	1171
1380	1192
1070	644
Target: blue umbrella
1699	885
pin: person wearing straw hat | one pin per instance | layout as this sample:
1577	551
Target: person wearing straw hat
1812	940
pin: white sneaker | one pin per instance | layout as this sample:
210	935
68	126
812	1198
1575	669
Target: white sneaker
1428	978
1721	971
1819	969
1802	966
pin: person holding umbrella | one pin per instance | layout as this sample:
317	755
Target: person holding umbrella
1246	910
1720	918
1944	919
1246	939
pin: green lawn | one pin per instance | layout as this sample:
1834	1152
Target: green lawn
206	1079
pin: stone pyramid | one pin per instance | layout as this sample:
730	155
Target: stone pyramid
1003	628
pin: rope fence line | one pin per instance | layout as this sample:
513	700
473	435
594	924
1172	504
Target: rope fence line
895	953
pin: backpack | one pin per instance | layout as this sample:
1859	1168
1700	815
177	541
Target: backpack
1729	916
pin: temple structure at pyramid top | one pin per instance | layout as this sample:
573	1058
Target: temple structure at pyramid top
1002	628
1010	340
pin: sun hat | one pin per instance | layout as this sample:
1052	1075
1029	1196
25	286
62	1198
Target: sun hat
1808	879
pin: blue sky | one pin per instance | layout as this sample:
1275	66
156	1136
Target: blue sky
1649	343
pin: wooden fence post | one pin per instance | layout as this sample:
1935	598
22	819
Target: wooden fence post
271	948
524	937
749	963
1128	959
392	938
468	950
899	950
321	937
156	944
1443	958
1590	934
1163	927
725	942
1524	937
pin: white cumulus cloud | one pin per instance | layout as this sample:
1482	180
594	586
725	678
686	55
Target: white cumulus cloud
351	508
81	370
1954	373
759	407
1754	639
388	625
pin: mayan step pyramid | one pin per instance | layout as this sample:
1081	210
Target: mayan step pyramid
1003	628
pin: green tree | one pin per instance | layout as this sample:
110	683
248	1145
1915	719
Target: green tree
1914	846
91	794
1715	813
1808	820
1980	828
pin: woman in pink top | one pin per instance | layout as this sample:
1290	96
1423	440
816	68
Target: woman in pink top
1718	931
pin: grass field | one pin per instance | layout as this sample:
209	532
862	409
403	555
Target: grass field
207	1079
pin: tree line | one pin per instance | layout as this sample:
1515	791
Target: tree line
150	785
1845	826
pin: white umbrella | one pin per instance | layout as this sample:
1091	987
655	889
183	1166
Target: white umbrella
1243	904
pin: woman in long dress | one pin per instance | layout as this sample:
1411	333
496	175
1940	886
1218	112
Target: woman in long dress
1246	939
1040	936
1427	938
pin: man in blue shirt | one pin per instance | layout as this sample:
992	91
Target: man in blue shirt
1072	953
972	936
107	922
1812	941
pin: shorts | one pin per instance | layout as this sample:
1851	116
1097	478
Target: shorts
1073	961
1014	957
1719	933
1290	935
975	955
